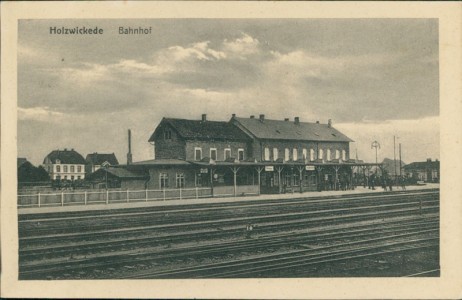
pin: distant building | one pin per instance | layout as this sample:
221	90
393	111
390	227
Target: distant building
95	161
428	171
390	167
65	165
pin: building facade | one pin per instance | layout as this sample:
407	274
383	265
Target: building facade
428	171
94	161
65	165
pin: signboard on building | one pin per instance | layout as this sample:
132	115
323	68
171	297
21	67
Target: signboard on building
309	168
204	170
269	168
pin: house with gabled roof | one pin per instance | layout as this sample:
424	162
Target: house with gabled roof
65	165
94	161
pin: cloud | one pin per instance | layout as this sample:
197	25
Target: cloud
39	114
242	47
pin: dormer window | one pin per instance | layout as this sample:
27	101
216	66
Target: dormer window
58	161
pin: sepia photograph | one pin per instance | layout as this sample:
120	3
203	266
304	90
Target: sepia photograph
256	148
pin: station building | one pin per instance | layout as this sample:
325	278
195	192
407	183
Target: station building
244	156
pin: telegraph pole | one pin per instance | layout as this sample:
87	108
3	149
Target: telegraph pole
394	154
375	145
400	160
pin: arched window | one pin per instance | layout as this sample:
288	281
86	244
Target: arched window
321	154
305	154
328	154
286	154
275	154
337	154
344	155
295	154
311	154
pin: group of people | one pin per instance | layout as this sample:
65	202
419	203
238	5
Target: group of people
386	182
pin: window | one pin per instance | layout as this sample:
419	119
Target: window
65	169
227	153
321	154
267	154
240	154
79	177
72	169
65	177
180	180
197	153
344	155
275	154
58	169
328	154
163	180
79	169
167	134
311	154
337	154
72	177
305	154
286	154
295	154
213	153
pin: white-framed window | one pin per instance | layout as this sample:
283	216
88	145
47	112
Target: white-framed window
180	180
79	169
337	154
227	153
267	153
311	154
295	154
305	154
197	153
240	154
344	155
321	154
328	154
72	169
58	169
163	180
275	154
286	154
58	161
78	177
213	153
65	169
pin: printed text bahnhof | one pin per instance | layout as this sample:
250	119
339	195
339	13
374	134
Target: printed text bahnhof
96	30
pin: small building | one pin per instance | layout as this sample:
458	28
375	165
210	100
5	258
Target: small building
428	171
94	161
124	177
65	165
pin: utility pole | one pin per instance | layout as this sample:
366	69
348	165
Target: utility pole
375	145
394	154
400	160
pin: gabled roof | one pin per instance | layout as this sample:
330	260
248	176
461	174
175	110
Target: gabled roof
99	158
422	165
203	130
161	162
288	130
66	157
120	172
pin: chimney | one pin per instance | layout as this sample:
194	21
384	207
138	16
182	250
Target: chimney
297	121
252	117
204	117
262	118
329	123
429	160
234	115
129	154
317	122
286	119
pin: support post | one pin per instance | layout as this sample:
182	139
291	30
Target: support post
85	198
234	169
62	198
163	192
197	193
107	196
180	192
211	180
146	195
259	170
279	169
300	170
38	199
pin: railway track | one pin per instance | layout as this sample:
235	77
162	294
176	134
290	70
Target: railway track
337	221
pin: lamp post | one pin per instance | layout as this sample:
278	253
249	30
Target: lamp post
375	145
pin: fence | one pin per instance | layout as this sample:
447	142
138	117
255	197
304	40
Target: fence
127	196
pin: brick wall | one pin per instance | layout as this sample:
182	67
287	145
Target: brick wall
169	148
154	173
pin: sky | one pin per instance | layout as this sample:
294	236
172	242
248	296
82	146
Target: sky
375	78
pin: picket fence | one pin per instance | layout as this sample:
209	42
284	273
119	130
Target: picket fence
65	198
